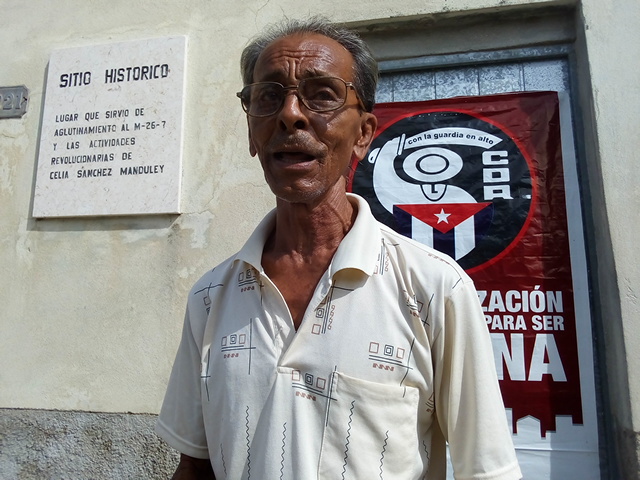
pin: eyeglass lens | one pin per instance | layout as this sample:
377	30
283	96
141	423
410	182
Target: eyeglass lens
319	94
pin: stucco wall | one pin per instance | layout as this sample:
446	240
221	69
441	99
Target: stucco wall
36	445
93	307
609	31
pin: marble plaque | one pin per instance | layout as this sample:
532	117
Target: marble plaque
112	129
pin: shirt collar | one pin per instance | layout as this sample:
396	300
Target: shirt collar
359	249
251	252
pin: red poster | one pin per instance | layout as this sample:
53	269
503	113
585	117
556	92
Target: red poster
481	179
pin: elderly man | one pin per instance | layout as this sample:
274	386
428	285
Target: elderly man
329	346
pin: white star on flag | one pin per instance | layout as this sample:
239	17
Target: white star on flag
442	217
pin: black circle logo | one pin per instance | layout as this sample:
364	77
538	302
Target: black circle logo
450	180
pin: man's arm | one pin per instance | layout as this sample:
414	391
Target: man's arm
191	468
469	403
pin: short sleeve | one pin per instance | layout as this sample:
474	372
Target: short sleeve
180	422
469	404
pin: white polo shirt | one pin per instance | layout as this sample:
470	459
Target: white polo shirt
392	357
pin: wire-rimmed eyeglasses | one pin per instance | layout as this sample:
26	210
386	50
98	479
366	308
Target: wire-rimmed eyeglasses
318	94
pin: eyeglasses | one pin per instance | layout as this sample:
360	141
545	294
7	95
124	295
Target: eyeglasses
318	94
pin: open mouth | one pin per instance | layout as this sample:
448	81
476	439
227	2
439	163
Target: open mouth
293	157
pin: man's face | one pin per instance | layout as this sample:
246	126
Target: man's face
305	154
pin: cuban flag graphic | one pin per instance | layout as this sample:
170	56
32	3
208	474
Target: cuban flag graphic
452	228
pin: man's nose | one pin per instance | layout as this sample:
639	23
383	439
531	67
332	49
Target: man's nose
292	115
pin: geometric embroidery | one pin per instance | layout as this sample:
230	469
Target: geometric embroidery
382	264
388	351
384	449
387	357
415	306
247	280
325	311
204	373
231	346
206	299
307	385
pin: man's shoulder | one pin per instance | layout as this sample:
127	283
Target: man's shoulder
421	257
219	276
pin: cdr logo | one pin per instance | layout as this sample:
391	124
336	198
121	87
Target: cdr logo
450	180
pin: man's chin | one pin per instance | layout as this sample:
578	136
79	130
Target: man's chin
309	194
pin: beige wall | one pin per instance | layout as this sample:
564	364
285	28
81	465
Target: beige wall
610	61
92	308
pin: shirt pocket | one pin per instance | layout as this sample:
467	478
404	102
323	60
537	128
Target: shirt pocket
371	431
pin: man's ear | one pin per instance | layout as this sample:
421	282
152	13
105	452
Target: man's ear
368	125
252	149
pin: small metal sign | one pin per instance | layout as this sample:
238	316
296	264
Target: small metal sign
13	101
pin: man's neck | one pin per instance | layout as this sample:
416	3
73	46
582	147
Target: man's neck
307	230
301	248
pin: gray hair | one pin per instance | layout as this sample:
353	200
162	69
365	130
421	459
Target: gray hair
365	67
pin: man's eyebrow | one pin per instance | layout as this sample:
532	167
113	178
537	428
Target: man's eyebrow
281	77
315	72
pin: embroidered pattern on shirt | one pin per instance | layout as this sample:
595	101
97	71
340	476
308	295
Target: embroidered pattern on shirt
431	404
428	457
387	357
233	345
325	312
384	449
206	299
204	373
247	280
382	264
284	444
248	444
347	440
415	307
308	386
224	464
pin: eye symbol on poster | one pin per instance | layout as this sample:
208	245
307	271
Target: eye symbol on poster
464	190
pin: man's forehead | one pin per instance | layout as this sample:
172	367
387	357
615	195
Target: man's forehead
307	53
